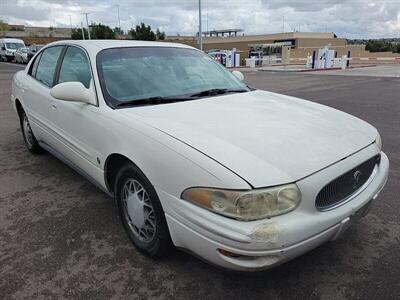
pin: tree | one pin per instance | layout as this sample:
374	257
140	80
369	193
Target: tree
97	32
77	33
379	46
397	48
3	26
101	32
142	32
118	31
160	35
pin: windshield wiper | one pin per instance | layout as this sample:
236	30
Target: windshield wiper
152	101
213	92
163	100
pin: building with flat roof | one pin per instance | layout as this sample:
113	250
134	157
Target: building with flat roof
35	34
301	43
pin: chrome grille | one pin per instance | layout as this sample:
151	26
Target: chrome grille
339	189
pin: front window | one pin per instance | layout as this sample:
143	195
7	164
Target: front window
75	67
14	46
137	73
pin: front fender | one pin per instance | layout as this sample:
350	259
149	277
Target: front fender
168	163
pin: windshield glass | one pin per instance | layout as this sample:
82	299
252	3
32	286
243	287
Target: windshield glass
24	50
129	74
14	46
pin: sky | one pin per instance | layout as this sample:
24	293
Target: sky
347	18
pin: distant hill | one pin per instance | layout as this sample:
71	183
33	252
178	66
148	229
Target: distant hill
365	41
378	45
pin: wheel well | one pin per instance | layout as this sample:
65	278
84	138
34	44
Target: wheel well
111	167
18	105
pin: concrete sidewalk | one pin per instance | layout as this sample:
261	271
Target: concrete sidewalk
392	70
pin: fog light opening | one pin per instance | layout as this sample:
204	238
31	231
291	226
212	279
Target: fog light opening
228	253
236	256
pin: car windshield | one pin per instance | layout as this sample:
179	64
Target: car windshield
23	50
14	46
140	73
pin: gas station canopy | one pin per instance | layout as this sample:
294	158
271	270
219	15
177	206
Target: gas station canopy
223	32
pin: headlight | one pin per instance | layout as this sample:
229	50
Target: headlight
246	205
378	141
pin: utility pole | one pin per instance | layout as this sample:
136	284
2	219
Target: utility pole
207	21
283	24
70	21
87	24
119	20
200	30
83	31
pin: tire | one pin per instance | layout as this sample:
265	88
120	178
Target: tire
141	212
29	138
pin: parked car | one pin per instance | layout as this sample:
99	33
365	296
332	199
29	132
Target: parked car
246	179
32	50
21	55
8	47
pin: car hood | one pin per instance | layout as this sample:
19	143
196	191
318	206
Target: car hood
265	138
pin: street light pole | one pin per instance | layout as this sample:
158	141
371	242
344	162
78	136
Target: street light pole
83	31
200	30
119	20
87	24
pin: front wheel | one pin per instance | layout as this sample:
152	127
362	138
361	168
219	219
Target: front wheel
29	138
141	212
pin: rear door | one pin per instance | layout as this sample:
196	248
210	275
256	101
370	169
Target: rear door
37	91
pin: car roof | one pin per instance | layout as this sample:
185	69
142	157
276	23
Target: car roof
98	45
11	40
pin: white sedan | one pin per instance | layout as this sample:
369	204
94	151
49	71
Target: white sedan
246	179
21	55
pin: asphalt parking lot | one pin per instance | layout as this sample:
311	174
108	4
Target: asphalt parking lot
60	236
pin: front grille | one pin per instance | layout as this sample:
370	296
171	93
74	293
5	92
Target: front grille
339	189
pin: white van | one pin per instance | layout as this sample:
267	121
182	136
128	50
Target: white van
8	47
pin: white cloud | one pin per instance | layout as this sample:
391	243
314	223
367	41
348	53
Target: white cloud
348	18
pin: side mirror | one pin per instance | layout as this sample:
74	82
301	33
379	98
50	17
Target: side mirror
239	75
3	48
74	91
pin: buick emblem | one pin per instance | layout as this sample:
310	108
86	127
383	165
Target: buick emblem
356	178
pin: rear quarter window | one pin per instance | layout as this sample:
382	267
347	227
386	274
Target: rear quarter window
35	65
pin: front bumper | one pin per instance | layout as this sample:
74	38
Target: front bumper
283	237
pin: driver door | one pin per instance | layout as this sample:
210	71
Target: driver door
76	124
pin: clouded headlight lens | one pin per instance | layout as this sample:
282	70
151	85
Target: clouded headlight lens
246	205
378	141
